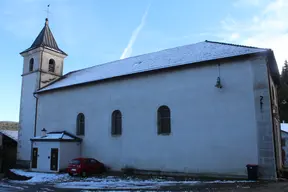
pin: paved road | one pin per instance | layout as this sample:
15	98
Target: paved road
13	187
6	186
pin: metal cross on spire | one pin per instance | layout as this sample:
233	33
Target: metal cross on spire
47	11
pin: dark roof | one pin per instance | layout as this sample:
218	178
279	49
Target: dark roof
11	134
179	56
45	39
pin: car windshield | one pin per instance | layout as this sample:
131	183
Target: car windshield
75	162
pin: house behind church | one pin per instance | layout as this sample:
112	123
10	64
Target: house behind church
169	111
8	149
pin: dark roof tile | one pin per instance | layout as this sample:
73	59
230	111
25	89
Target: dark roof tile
45	39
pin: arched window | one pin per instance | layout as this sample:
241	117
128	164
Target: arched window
51	66
80	124
164	120
31	64
116	127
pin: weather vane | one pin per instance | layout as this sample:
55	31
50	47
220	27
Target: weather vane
48	10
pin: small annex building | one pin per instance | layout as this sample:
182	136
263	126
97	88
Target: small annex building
52	151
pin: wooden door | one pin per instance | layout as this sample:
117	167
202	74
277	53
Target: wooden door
34	158
54	159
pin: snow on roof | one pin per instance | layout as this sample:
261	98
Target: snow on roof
11	134
188	54
63	135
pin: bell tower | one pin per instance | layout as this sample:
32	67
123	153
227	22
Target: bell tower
43	64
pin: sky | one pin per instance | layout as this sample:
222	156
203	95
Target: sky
97	31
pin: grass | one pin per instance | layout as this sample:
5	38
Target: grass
9	125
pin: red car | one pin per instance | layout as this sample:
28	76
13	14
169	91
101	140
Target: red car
85	166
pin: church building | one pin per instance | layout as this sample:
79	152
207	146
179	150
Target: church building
208	108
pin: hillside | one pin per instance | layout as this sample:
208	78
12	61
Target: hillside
9	125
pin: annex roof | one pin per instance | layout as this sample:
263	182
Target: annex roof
188	54
45	39
11	134
57	136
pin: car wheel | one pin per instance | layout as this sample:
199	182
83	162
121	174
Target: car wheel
84	174
103	169
70	174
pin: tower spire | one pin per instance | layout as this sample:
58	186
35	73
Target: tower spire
45	39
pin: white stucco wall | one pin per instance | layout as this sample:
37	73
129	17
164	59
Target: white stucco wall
44	153
30	83
36	55
58	58
27	116
213	130
46	76
68	151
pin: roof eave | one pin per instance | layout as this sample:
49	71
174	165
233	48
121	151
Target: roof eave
42	46
56	140
40	91
14	139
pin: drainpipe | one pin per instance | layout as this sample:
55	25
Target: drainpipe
39	86
35	125
36	113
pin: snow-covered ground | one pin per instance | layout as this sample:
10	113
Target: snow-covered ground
132	183
40	177
121	183
108	182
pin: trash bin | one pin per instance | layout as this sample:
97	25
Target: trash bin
252	171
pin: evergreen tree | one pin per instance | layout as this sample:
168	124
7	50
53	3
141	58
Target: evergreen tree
283	93
284	73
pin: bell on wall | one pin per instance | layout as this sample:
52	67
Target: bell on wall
218	83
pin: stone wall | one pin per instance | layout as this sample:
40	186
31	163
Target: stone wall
266	151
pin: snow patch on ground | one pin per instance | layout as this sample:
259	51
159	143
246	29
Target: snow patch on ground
133	183
230	181
40	177
10	186
117	183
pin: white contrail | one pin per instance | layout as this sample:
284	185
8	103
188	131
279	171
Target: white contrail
128	50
